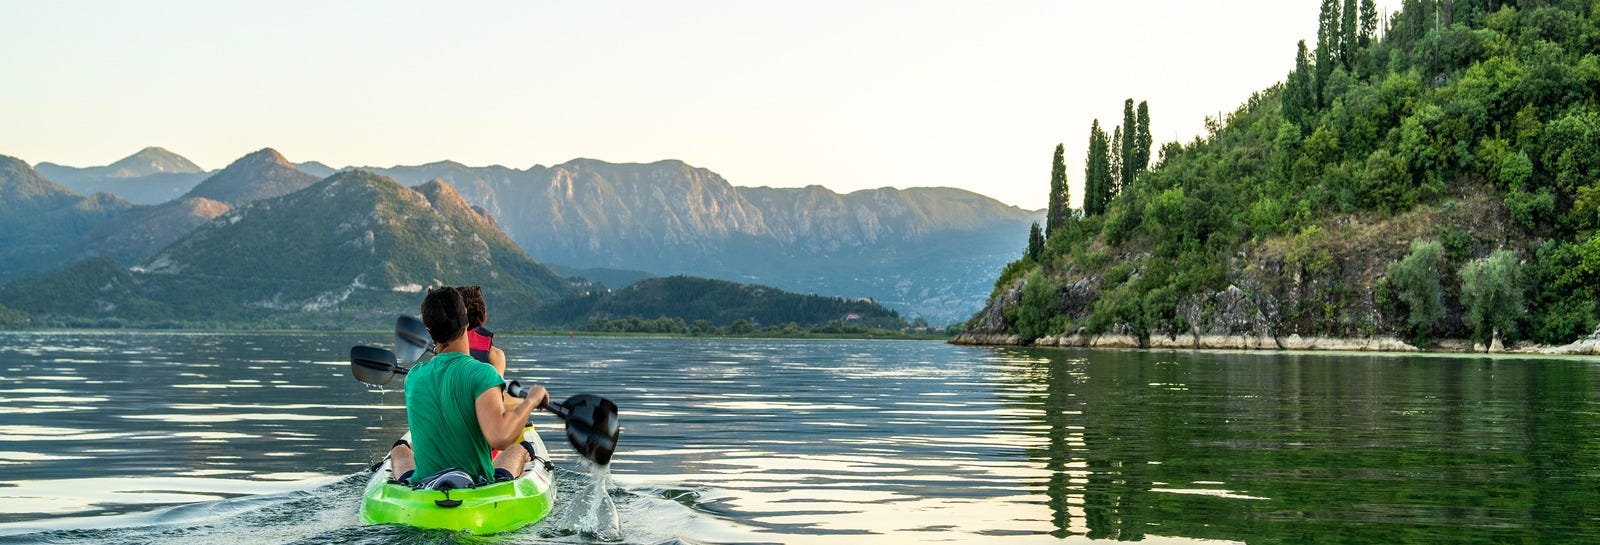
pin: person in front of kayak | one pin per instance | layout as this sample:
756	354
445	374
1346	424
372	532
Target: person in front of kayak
454	405
480	338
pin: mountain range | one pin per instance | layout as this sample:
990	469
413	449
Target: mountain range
42	223
151	176
925	252
350	249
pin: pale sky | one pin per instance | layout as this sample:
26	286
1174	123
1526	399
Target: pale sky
848	95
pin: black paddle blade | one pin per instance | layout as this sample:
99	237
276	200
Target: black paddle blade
372	365
592	426
411	339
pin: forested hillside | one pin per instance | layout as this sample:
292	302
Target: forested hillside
687	304
1433	176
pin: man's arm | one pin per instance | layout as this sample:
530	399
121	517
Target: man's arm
502	426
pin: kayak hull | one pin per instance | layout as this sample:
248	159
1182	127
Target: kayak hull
489	509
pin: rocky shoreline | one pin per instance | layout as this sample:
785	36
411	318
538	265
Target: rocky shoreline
1584	347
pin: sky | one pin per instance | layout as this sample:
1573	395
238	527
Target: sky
848	95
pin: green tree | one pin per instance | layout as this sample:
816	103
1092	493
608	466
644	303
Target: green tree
1415	280
1060	195
1097	172
1490	293
1347	35
1118	161
1369	24
1037	311
1127	137
1141	142
1035	243
1327	46
1299	91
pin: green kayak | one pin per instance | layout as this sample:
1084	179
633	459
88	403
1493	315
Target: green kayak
487	509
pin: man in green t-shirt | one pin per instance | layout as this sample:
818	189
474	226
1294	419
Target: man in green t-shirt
454	406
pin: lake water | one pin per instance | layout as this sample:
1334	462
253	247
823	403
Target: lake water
249	438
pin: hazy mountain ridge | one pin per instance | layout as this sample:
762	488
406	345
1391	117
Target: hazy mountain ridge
909	248
150	176
141	231
347	251
906	248
41	222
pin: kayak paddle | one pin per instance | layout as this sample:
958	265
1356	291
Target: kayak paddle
411	340
592	425
591	421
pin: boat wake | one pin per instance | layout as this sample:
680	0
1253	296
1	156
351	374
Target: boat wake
587	509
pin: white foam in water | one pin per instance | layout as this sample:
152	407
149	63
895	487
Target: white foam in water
591	511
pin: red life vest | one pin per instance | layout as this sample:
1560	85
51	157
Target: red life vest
480	340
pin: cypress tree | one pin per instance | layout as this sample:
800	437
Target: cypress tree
1119	159
1369	24
1297	87
1125	160
1327	46
1035	243
1141	143
1060	195
1097	172
1347	36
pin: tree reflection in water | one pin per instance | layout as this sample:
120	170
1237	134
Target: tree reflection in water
1296	448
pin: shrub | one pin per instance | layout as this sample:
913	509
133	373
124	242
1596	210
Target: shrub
1415	281
1040	303
1491	296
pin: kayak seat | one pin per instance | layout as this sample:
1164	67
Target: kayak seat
449	479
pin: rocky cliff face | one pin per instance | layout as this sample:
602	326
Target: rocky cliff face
1318	292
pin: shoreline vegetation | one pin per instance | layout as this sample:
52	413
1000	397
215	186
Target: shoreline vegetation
1589	346
1429	181
783	332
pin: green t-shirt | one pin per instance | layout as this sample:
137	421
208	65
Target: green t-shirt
441	408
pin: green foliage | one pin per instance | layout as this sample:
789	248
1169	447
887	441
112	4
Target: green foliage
683	299
1348	35
1009	275
1038	314
1531	211
1097	172
1490	293
1035	243
1060	194
1560	293
1456	100
1127	160
1141	142
10	318
1327	46
1415	281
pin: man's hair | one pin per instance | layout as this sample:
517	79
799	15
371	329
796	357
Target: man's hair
444	314
477	310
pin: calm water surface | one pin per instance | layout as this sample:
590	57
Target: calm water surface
248	438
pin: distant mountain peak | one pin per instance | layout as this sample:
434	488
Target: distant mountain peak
151	160
447	163
265	156
262	174
20	183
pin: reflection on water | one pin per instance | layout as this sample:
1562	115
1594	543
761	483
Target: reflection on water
140	438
